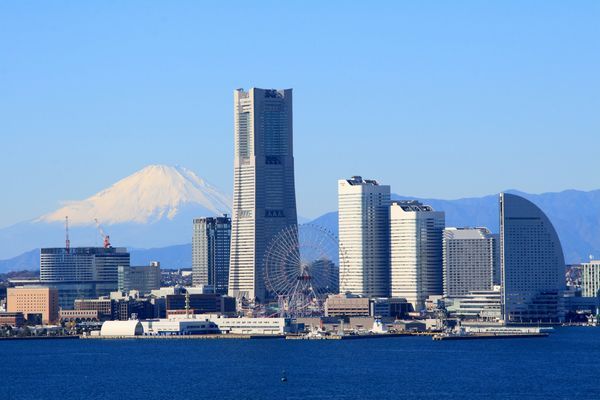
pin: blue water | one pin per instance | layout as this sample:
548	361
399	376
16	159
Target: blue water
564	366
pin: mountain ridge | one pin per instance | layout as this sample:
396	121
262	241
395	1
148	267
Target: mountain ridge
152	207
148	195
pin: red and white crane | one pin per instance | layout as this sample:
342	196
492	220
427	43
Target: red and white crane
104	235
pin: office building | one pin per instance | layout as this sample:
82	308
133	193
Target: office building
532	263
38	304
264	198
210	253
103	307
348	305
470	260
81	272
416	251
16	319
363	206
199	304
143	278
590	279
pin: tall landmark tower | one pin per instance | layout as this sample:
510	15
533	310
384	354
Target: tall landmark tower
264	197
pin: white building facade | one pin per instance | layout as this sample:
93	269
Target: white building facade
363	207
590	278
264	198
416	251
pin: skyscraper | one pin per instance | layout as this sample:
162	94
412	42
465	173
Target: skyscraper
532	262
363	206
81	272
416	251
264	197
210	252
470	260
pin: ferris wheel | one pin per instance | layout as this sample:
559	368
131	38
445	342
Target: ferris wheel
302	267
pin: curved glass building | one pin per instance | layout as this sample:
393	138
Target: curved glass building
532	263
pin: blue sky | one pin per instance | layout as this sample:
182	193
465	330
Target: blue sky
437	99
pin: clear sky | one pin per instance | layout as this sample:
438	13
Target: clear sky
438	99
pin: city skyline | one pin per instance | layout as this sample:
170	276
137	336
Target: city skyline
459	78
141	240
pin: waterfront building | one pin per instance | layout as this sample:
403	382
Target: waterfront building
590	279
532	263
347	305
416	251
103	307
363	206
211	242
143	278
199	304
122	328
480	305
174	326
200	324
78	315
16	319
38	304
264	199
81	272
470	260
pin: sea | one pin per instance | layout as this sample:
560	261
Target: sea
565	365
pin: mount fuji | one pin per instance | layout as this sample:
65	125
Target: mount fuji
154	207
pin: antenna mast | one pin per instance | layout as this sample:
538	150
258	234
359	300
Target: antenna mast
67	241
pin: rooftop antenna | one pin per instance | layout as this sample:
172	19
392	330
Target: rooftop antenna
67	241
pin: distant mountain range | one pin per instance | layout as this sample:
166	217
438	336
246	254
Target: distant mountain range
151	211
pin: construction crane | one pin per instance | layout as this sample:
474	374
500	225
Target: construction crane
67	241
104	235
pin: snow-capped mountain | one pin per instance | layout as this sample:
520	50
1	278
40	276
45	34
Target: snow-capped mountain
150	195
154	207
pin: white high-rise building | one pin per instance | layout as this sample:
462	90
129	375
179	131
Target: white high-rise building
416	251
590	278
471	260
363	207
264	197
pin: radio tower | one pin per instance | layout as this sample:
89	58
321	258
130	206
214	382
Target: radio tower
67	241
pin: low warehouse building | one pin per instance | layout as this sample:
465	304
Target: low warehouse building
122	328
